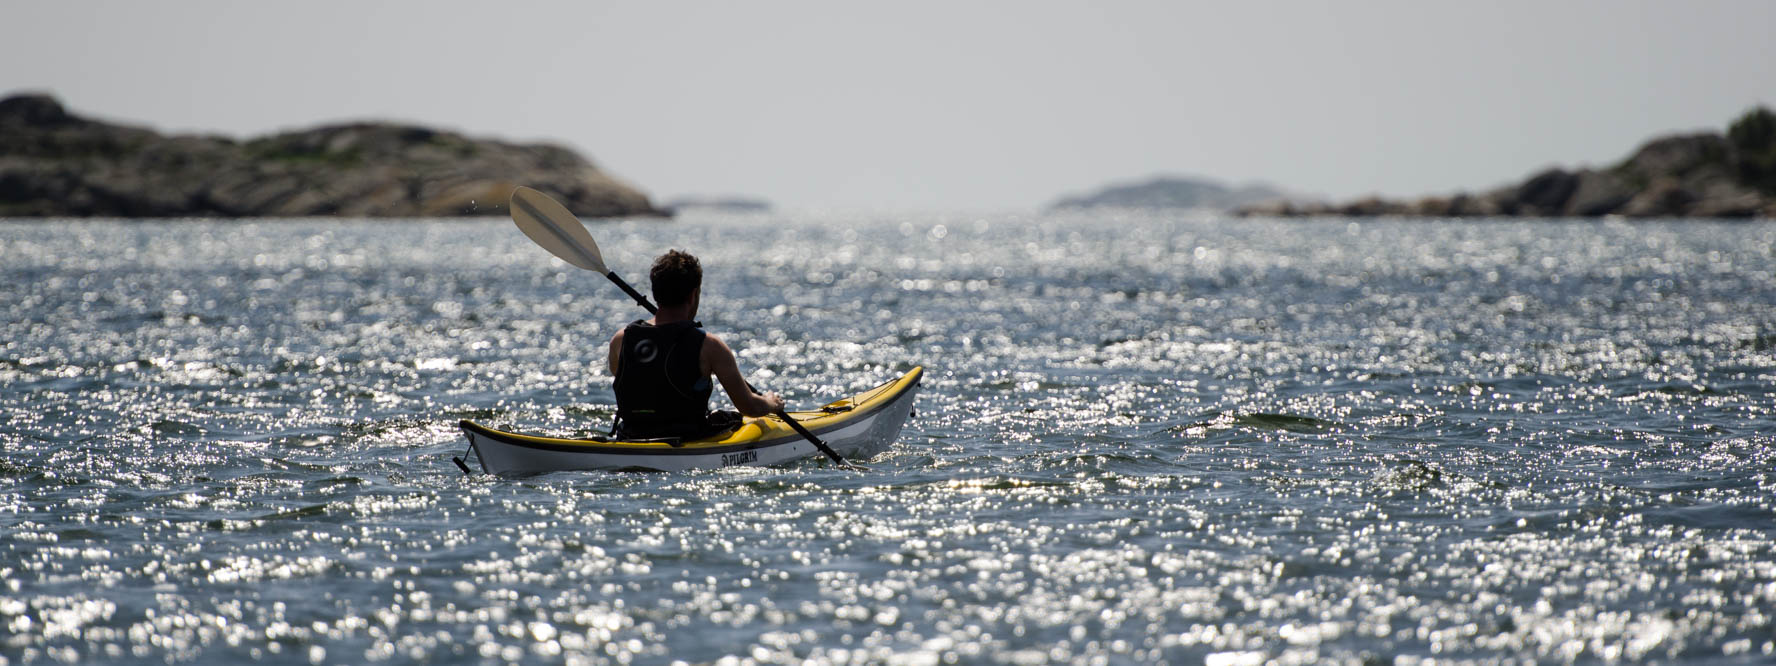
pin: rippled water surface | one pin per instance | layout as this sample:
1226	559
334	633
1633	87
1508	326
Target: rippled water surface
1139	439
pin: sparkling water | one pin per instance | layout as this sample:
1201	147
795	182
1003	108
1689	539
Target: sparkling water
1140	438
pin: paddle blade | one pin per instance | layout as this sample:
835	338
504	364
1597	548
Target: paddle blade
550	225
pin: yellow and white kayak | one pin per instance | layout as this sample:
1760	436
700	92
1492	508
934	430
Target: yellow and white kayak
858	427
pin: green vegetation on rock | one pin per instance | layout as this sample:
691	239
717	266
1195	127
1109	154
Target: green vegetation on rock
1753	137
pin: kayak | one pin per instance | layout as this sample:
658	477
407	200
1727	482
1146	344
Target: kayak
860	426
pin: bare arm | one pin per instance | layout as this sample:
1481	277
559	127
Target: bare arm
721	363
616	350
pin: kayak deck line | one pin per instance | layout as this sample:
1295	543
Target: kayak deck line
865	424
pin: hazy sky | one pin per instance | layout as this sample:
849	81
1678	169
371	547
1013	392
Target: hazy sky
921	105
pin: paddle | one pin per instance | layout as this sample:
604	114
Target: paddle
551	225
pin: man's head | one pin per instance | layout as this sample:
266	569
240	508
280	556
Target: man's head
675	275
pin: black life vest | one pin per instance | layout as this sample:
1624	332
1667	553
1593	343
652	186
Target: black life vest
660	386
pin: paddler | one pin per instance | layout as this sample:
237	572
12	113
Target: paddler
662	365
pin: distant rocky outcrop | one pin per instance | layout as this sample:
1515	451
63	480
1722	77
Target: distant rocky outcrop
726	204
1692	175
54	163
1174	192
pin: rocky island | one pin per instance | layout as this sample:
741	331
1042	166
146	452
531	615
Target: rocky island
719	203
57	164
1707	174
1174	192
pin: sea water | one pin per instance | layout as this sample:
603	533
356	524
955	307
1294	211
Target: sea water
1140	438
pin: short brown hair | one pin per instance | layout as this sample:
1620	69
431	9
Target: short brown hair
675	275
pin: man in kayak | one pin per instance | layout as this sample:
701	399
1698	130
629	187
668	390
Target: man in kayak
663	365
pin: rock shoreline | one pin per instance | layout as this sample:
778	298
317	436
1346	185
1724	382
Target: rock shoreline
57	164
1702	175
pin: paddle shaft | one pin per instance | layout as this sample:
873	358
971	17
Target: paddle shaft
781	414
632	292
